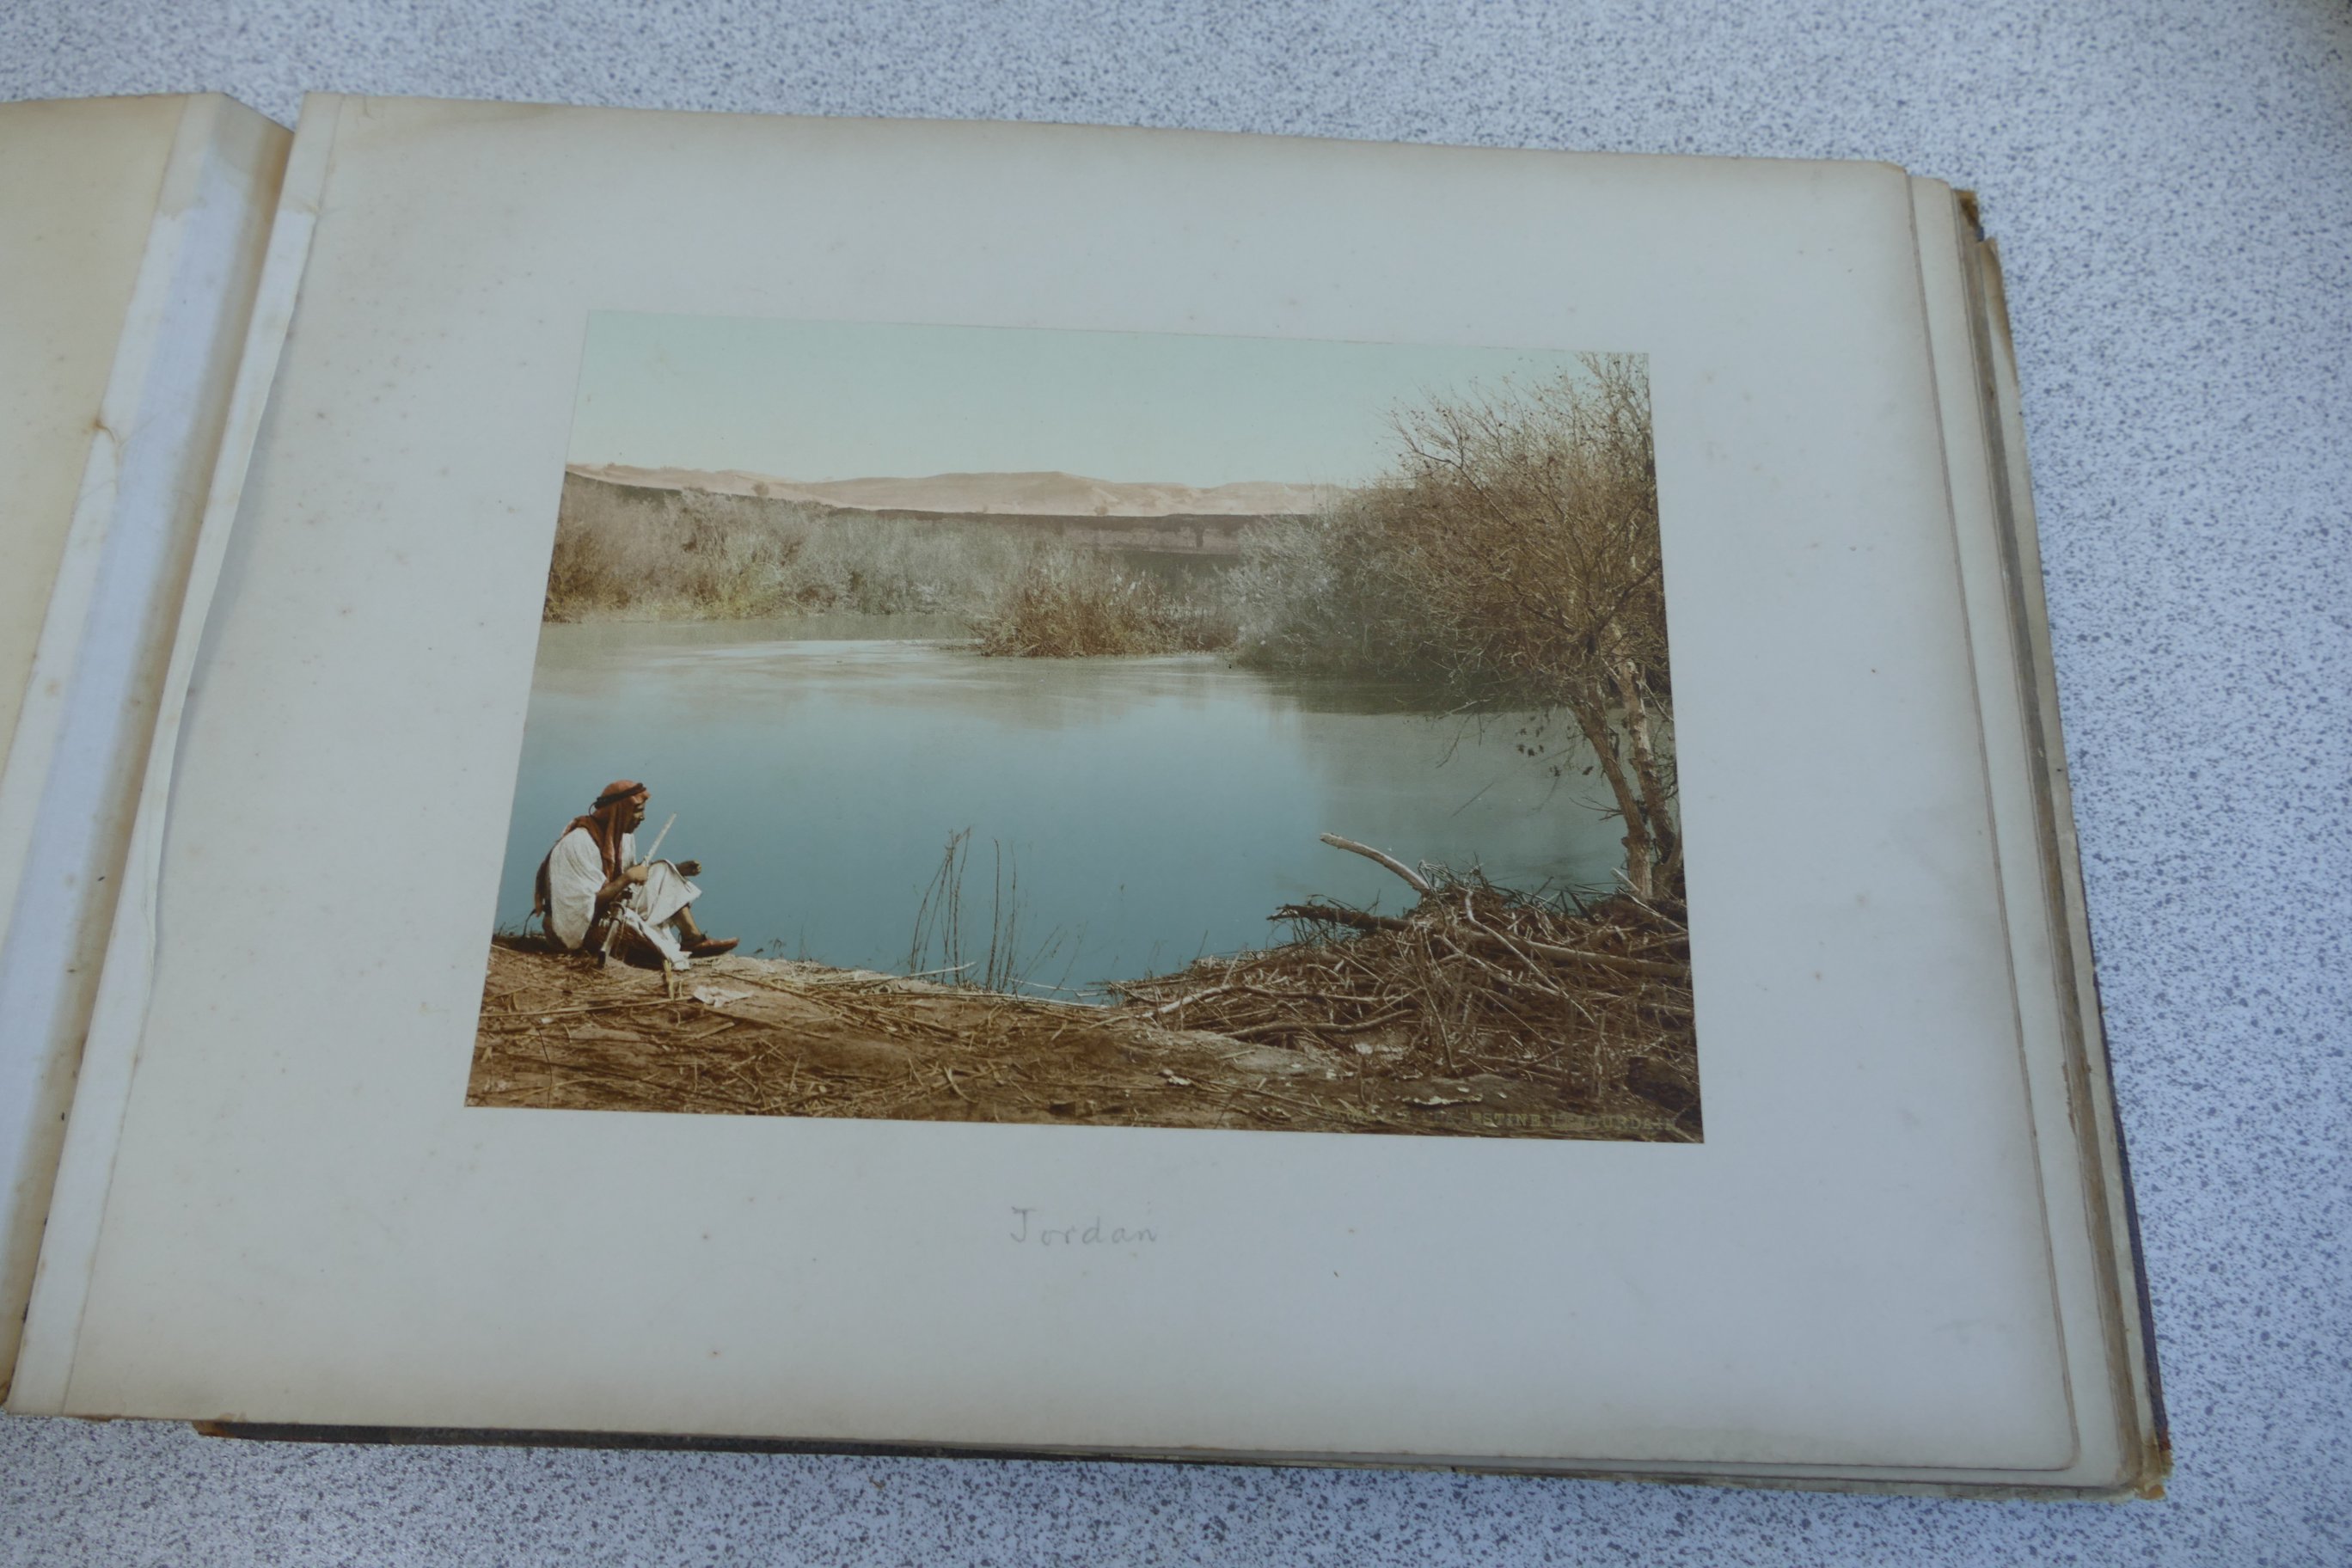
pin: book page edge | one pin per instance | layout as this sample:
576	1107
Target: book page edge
77	1205
100	659
2105	1166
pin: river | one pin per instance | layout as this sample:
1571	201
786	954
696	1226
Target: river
1153	809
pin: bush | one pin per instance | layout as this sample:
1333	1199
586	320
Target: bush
1321	593
1514	550
630	553
1067	604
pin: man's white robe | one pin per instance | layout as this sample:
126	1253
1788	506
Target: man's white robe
575	871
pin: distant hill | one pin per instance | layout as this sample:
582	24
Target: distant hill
1043	494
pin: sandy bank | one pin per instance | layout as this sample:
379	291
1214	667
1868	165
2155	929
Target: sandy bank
760	1036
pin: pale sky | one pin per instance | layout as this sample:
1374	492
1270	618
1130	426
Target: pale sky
828	400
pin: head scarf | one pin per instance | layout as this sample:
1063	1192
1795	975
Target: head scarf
605	819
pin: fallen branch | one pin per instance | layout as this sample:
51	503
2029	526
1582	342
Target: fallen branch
1419	883
1480	936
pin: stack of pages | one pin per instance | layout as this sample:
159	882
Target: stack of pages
1023	789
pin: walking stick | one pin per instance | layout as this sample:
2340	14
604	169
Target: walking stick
612	922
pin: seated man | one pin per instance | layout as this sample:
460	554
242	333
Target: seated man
592	882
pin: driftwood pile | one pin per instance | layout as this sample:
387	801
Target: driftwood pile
1592	1001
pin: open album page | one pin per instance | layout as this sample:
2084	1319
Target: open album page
1022	786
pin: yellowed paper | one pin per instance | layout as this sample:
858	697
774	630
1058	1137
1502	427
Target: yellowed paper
1864	1270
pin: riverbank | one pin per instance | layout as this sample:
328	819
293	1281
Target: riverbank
773	1037
1592	1001
1021	583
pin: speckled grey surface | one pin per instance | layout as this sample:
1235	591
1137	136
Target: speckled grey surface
2172	187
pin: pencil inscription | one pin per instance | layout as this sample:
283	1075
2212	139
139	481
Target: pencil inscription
1030	1231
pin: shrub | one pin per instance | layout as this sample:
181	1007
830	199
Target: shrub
1321	592
1514	549
632	552
1068	604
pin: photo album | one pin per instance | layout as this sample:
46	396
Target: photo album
1023	789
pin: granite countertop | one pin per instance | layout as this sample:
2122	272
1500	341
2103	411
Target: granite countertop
2171	185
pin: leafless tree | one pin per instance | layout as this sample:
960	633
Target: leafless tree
1525	523
1513	550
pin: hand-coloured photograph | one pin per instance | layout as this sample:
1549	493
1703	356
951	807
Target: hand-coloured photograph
975	724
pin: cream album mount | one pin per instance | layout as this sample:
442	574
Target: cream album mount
1039	790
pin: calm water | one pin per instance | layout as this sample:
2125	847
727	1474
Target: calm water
1154	808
